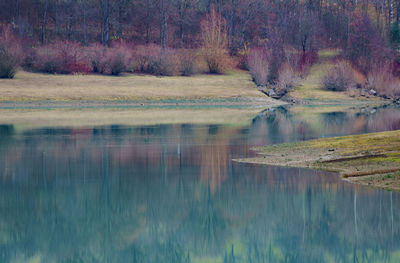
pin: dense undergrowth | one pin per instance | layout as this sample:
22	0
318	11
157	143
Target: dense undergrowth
71	57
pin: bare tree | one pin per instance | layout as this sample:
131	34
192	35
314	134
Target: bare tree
214	41
184	12
122	6
84	14
105	21
148	19
44	6
163	10
248	10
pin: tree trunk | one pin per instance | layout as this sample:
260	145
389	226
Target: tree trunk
120	18
69	27
56	17
378	17
84	23
397	11
106	21
244	25
182	15
148	21
365	7
16	11
44	21
163	23
390	5
383	19
231	25
209	5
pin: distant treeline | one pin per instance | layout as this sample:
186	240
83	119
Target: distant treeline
304	24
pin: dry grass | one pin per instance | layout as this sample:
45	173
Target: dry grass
368	155
40	87
29	119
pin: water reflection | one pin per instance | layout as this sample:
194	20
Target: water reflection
170	193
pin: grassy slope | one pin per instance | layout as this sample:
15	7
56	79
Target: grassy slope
309	89
369	159
41	87
234	87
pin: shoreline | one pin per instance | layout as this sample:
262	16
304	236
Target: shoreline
236	102
371	159
236	88
193	102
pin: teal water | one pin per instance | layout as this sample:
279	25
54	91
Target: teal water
170	193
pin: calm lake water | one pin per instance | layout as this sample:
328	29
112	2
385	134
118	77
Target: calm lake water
170	193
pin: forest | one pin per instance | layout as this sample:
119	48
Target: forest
276	40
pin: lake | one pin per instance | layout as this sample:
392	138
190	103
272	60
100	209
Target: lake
171	193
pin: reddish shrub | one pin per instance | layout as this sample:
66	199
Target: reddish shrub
152	59
11	54
306	60
215	43
46	59
382	80
187	60
258	61
396	67
267	68
218	61
63	57
242	56
96	54
277	58
292	57
144	55
339	78
80	67
70	57
118	59
287	77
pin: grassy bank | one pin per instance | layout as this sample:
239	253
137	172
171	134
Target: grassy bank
369	159
33	87
31	90
309	89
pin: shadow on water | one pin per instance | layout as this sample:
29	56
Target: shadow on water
170	193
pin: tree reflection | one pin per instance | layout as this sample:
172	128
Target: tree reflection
171	193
